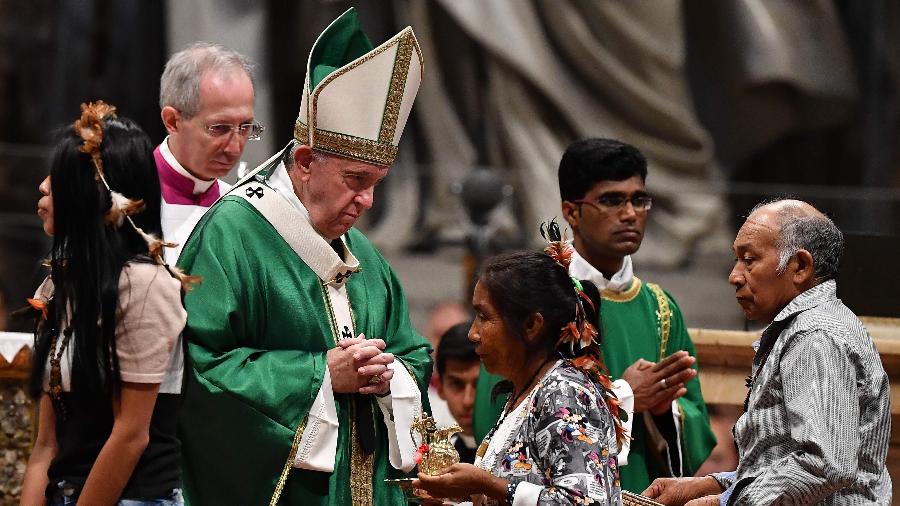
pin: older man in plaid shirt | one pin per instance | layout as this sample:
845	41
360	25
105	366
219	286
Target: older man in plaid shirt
817	417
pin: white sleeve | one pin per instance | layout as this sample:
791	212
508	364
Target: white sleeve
399	407
527	494
626	402
318	445
676	417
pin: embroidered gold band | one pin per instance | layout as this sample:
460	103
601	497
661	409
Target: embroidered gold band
664	313
396	89
292	456
357	148
626	296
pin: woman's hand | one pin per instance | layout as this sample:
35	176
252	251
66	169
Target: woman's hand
462	481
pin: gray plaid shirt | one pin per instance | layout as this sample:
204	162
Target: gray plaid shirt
819	418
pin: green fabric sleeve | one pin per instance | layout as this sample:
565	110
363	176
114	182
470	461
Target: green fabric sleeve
229	325
485	413
247	389
698	439
407	345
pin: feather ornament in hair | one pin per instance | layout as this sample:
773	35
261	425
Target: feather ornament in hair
39	305
560	252
550	231
587	334
187	281
570	335
121	207
558	249
90	128
155	245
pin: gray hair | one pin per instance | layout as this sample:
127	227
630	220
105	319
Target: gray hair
179	85
288	157
815	233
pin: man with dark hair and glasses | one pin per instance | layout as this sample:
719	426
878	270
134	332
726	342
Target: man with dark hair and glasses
645	342
206	99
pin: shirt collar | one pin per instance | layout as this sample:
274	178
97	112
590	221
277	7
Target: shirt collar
819	294
619	282
200	185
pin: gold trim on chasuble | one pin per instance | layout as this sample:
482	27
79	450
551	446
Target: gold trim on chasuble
292	456
663	316
361	465
626	296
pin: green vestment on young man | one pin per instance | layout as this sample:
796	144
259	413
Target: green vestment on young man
632	330
258	330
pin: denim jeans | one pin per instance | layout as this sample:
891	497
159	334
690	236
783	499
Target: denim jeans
172	499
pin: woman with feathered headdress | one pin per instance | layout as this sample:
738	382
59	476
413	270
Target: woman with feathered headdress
108	360
557	439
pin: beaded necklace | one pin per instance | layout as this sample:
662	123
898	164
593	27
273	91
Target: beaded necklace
508	408
56	388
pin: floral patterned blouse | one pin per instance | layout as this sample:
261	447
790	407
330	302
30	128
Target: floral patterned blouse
559	443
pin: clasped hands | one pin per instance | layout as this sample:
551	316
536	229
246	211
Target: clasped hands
656	385
360	365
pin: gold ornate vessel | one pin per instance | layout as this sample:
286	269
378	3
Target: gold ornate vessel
436	449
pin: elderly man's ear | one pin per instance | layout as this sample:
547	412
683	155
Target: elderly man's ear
302	157
802	270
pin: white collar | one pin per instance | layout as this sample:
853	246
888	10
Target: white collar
619	282
200	185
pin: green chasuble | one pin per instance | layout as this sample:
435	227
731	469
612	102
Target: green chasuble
258	330
631	330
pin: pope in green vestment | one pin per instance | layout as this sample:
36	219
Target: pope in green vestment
258	331
290	398
631	330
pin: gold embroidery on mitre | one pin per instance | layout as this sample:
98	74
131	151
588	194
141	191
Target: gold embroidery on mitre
397	87
366	150
357	148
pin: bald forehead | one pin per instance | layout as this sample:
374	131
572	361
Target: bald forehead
760	227
790	208
768	219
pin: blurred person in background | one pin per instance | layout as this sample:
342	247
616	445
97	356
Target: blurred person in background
557	438
646	345
306	371
441	318
457	369
108	360
206	100
817	418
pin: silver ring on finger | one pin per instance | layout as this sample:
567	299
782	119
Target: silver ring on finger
664	383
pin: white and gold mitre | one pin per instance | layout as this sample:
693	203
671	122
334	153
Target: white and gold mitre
356	99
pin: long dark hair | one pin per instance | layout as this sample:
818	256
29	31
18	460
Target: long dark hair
87	256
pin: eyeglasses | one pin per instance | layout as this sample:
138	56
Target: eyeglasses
249	131
611	201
